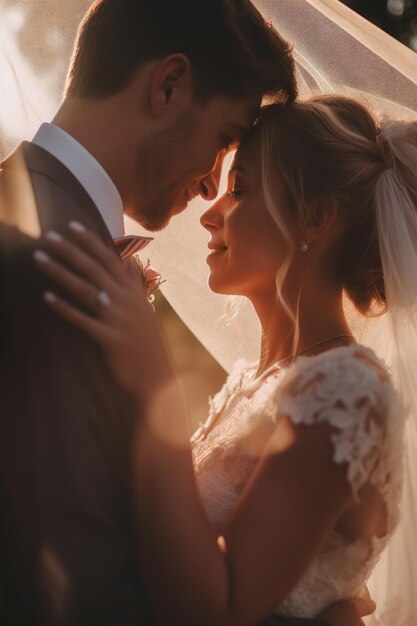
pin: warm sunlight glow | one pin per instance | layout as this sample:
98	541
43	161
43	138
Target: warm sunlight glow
17	201
24	102
221	542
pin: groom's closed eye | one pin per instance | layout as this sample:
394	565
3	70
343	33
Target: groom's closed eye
234	136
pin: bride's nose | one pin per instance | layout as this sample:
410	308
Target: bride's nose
213	217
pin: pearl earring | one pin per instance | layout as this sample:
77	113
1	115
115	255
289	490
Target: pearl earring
304	246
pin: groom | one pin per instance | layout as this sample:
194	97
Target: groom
156	95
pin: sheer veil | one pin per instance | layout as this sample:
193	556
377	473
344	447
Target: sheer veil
336	50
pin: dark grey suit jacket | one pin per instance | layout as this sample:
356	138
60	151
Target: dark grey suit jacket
67	550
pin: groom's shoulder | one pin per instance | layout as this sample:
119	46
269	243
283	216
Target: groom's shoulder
29	160
32	158
38	193
32	175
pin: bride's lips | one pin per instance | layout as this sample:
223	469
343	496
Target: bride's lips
216	248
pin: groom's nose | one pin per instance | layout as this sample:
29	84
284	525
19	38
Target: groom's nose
209	184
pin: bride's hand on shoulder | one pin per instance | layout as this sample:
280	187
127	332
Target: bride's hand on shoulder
108	303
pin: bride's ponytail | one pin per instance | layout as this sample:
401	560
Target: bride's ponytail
396	217
396	212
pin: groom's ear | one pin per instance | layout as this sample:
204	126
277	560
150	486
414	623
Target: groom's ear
171	85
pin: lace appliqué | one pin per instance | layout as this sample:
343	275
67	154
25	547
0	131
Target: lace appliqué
227	446
218	402
357	400
346	387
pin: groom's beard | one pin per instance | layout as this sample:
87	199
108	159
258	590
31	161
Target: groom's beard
161	156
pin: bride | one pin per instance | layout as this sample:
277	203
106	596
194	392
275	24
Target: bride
290	491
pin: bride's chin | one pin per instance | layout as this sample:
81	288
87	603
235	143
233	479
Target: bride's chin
215	285
219	286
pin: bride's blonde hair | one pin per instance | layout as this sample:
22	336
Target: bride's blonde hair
328	146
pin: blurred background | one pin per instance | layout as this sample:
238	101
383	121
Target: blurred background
396	17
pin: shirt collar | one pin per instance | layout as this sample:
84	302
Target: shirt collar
88	171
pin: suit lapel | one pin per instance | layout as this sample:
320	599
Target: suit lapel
22	203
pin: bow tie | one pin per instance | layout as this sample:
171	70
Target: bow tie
131	244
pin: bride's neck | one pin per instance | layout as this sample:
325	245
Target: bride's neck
320	317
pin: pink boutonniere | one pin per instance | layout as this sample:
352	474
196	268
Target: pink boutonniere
152	279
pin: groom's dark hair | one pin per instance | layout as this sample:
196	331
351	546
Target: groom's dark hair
231	48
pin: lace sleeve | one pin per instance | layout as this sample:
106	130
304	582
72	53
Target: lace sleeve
219	401
352	392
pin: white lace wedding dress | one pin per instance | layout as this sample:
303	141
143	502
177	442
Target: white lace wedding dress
349	388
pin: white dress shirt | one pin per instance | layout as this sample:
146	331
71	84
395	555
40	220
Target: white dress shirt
88	171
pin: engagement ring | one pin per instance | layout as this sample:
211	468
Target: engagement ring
103	298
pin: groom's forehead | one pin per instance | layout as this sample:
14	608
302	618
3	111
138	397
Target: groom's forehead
243	128
243	113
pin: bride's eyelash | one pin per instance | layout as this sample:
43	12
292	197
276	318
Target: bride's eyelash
235	193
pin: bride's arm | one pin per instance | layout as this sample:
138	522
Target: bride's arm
276	530
285	512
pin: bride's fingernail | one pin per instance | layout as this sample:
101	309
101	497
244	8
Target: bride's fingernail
41	256
77	227
49	296
52	235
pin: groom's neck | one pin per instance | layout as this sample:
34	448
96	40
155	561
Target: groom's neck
99	126
91	123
